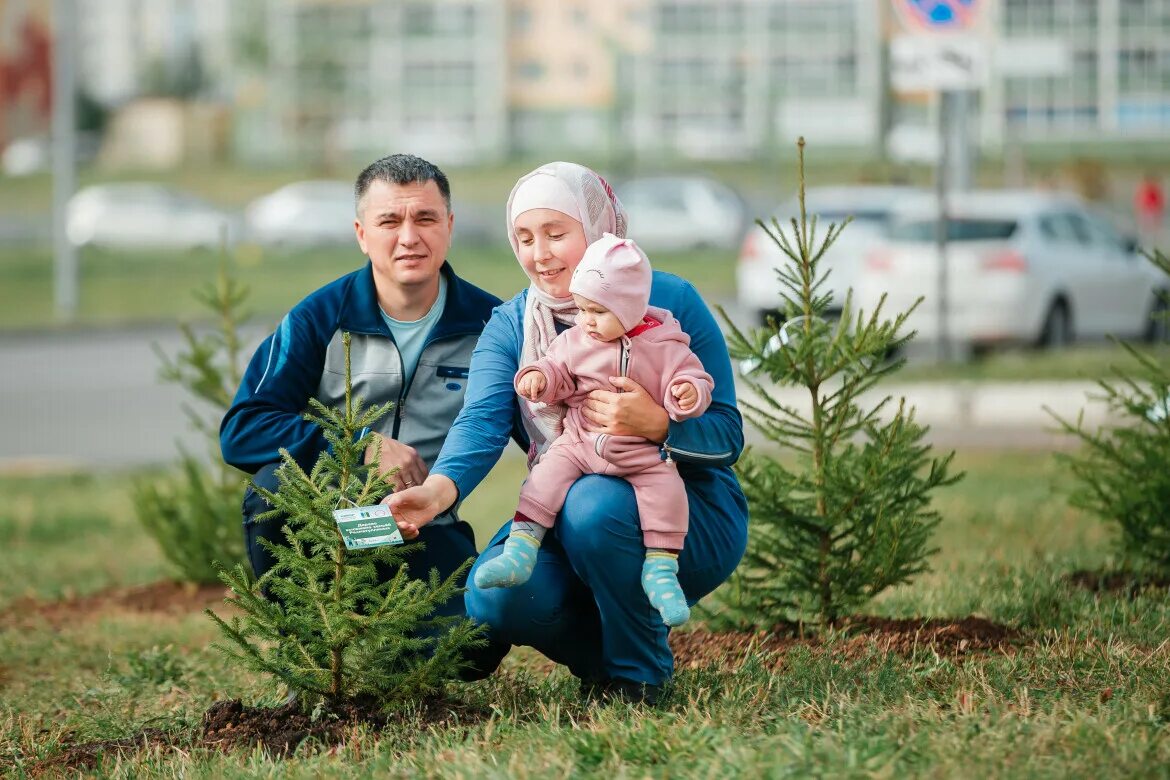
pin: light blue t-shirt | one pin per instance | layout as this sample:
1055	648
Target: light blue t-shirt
412	336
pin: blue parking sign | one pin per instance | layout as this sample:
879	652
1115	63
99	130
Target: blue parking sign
938	15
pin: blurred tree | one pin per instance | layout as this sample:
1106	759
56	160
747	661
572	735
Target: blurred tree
851	516
194	513
1121	469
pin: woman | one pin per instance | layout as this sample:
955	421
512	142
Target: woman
584	606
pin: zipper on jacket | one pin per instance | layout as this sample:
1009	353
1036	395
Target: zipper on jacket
666	448
400	406
597	443
624	360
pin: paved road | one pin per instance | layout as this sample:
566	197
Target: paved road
93	400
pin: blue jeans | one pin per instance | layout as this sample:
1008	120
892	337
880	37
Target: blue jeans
584	605
447	548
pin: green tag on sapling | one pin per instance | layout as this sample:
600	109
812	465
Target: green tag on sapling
367	526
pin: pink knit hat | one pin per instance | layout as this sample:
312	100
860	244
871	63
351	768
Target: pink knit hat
616	274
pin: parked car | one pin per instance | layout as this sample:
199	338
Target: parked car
141	215
1022	267
303	214
669	213
758	286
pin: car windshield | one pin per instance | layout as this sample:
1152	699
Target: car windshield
824	216
921	230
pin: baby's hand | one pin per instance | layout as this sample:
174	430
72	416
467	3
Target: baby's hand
686	395
531	385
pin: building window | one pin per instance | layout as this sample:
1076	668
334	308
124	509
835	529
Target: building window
521	20
530	70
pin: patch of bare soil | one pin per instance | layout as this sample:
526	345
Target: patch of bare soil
953	638
229	725
946	637
86	755
232	724
163	597
729	649
1118	582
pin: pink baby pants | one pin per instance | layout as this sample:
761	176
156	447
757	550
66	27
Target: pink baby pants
659	490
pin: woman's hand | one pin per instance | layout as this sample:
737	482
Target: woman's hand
415	507
629	412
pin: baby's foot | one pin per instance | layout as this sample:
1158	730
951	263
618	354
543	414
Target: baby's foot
511	567
660	581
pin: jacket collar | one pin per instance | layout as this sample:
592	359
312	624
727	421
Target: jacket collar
360	314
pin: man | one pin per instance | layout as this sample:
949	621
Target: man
413	325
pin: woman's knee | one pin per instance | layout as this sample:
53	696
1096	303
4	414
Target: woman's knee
514	613
599	512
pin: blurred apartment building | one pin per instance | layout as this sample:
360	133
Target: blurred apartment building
468	80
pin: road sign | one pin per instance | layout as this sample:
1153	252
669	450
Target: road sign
922	63
939	15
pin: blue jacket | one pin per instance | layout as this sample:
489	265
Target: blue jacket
305	359
704	447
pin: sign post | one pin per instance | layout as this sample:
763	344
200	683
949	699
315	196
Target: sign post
941	51
64	144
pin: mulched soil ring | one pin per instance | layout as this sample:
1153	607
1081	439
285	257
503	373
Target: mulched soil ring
163	597
729	649
232	724
945	637
952	638
1119	582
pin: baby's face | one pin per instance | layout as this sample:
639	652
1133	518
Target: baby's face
599	322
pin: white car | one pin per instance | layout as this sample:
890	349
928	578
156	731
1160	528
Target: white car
143	215
303	214
1022	267
670	213
759	288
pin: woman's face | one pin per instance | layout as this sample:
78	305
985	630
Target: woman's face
551	244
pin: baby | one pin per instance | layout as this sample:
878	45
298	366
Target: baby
616	334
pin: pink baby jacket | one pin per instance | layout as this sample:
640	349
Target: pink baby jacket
657	357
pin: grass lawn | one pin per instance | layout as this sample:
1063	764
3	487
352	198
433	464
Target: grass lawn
1086	694
127	288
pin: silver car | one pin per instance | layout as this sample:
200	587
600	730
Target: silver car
144	215
682	212
303	214
758	286
1021	267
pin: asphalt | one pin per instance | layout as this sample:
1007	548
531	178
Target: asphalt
92	400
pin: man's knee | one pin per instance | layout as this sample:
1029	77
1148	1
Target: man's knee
254	503
599	512
255	530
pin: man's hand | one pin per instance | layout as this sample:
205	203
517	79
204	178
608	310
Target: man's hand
416	506
686	395
411	469
629	412
531	385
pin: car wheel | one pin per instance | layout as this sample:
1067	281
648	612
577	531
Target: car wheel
1057	332
1158	324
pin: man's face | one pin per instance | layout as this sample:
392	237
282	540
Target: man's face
405	230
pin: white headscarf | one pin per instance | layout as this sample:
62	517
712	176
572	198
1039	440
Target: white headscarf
577	192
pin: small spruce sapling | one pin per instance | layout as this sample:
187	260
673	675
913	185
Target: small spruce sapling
193	513
851	515
1122	469
323	620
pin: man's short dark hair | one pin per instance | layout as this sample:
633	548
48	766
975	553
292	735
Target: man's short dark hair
400	169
